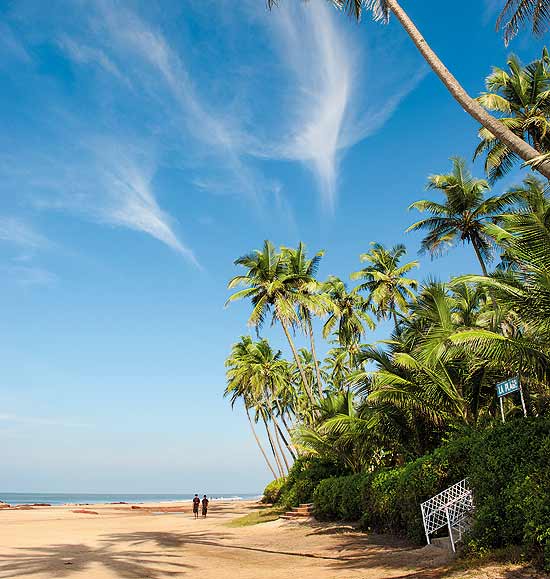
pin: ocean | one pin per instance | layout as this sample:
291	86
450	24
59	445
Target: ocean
94	498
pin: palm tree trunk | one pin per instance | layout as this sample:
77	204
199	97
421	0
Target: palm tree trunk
298	364
470	105
315	361
287	444
281	449
287	426
260	444
480	258
273	449
394	315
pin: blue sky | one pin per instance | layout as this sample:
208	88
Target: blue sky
145	146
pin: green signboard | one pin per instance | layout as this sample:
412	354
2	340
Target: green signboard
508	386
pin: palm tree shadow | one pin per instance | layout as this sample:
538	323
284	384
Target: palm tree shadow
180	540
64	560
168	540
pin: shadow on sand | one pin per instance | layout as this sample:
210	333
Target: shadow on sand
212	540
66	560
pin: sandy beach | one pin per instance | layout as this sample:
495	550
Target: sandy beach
160	541
125	542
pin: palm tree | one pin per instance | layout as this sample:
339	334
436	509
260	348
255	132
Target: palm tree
339	433
533	198
237	387
516	13
381	10
272	290
388	290
533	203
258	373
464	214
309	300
348	312
520	95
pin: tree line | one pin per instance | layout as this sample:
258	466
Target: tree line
371	405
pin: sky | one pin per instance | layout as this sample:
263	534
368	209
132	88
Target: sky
144	147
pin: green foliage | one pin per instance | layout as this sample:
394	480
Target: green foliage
510	475
508	467
272	491
341	497
303	478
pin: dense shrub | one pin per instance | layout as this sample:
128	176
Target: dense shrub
341	497
272	491
303	478
388	501
510	475
508	467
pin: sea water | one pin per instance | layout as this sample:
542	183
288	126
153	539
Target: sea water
95	498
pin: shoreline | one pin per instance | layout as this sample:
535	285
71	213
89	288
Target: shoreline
154	500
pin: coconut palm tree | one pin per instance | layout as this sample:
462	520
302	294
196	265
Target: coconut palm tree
381	10
389	291
259	373
521	96
238	388
309	299
272	290
464	214
517	13
348	313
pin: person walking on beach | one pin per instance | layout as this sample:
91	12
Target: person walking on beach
196	503
204	506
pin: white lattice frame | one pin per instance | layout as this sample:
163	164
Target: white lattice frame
449	508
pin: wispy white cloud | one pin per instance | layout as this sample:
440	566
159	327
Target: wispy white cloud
114	186
82	54
131	203
329	112
19	232
22	269
220	134
322	65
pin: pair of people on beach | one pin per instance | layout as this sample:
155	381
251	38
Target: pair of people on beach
197	502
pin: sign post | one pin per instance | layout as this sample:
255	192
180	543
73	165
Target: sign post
507	387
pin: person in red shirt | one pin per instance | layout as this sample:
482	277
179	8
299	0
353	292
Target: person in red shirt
196	503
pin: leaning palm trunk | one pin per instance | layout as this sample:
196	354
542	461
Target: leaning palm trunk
286	443
273	449
298	364
280	445
470	105
315	361
288	428
260	445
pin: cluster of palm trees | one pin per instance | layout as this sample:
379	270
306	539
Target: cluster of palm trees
365	405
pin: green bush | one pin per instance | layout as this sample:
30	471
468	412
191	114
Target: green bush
388	500
340	498
510	476
272	491
508	467
303	478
